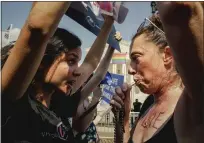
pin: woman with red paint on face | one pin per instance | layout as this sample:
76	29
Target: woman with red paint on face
156	54
153	69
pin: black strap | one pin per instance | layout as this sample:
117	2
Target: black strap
44	112
51	117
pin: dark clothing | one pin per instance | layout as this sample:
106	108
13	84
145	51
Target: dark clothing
65	106
147	103
137	106
28	121
166	134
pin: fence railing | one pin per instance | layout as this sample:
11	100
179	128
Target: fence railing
105	127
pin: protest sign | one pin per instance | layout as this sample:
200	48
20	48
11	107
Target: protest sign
83	13
116	9
109	90
107	80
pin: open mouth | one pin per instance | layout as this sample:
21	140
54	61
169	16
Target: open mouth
69	85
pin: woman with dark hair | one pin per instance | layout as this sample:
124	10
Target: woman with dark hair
177	112
39	74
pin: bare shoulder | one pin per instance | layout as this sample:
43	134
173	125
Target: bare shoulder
189	119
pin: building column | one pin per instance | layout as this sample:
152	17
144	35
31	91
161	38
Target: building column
132	93
124	72
114	69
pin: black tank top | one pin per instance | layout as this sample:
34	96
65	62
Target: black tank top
166	134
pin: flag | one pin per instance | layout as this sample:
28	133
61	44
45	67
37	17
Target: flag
119	58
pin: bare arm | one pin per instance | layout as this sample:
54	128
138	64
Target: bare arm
84	117
92	86
100	72
80	124
183	25
28	51
95	99
98	75
94	55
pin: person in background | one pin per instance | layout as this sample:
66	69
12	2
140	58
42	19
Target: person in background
137	105
146	104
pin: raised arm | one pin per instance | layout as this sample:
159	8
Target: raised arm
28	51
94	55
82	123
100	72
183	25
98	75
91	86
86	115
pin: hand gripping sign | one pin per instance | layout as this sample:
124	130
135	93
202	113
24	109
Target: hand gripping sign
115	9
111	82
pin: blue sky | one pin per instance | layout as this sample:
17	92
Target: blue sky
16	13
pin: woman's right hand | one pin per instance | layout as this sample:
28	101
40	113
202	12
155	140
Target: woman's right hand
122	99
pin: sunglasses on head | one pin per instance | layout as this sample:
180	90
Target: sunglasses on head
144	24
